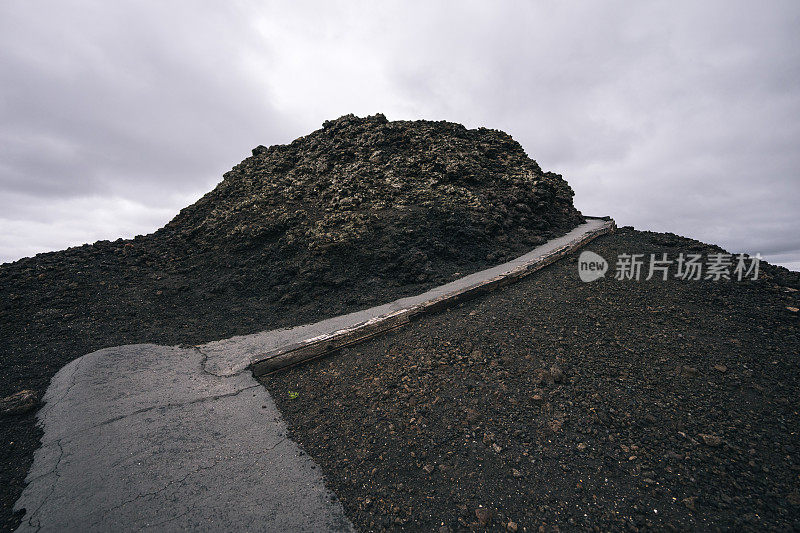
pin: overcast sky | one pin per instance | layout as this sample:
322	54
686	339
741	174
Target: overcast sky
671	116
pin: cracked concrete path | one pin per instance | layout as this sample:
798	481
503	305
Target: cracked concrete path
147	437
141	437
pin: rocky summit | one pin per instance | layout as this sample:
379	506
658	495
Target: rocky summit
400	202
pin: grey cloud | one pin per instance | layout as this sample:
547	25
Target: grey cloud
675	116
103	100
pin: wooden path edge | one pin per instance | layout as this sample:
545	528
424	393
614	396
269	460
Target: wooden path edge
322	345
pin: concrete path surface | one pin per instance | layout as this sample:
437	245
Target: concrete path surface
142	438
147	437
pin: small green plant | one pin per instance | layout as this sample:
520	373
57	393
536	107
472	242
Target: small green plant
293	395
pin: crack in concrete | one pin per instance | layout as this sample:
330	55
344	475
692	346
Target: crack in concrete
191	508
204	365
50	403
170	405
176	483
57	442
179	482
54	471
281	441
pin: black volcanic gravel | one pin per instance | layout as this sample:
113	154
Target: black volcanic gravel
554	404
358	213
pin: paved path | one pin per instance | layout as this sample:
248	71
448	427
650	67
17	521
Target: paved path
170	438
234	354
141	437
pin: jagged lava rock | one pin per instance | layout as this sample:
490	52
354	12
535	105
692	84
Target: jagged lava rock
406	201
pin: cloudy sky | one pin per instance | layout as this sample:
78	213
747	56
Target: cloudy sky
671	116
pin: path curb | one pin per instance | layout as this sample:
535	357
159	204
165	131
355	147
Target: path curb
321	345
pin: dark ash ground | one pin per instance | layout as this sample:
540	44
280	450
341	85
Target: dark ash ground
355	214
558	405
364	211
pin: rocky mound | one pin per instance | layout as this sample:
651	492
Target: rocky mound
400	202
358	201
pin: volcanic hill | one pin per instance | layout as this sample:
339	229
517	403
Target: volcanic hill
360	212
368	199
